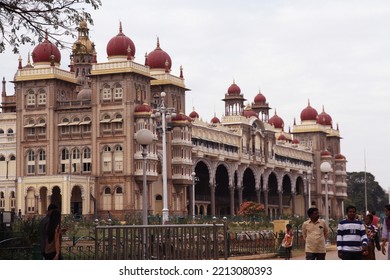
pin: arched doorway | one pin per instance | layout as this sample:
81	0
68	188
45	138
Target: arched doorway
222	197
76	203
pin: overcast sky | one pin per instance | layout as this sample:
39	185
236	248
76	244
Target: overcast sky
334	53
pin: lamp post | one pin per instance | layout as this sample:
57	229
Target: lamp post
326	168
164	112
308	178
144	137
194	180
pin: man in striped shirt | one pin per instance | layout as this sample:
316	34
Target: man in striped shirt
351	237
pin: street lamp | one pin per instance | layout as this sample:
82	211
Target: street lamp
326	168
194	180
144	137
308	178
164	112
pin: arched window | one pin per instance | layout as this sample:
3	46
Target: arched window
10	131
42	162
107	198
64	154
2	201
30	98
41	97
2	158
118	157
118	92
118	198
106	93
107	159
30	162
1	131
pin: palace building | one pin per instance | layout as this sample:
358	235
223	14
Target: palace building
69	137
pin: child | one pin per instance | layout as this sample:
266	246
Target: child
287	241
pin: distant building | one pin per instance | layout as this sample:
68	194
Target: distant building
68	137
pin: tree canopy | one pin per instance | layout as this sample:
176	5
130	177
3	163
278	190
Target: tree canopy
376	196
25	21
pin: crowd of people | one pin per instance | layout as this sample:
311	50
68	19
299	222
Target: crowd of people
357	239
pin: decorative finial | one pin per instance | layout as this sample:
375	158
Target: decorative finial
120	27
158	42
181	72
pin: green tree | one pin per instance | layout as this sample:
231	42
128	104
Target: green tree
23	20
376	196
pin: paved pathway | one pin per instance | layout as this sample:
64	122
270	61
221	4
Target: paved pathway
330	255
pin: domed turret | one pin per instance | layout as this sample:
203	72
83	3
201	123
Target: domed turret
142	109
159	59
326	154
46	53
83	44
276	121
194	114
181	117
234	89
215	120
248	112
309	113
339	157
324	118
260	99
120	46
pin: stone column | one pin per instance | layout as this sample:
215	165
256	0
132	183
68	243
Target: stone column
231	192
280	203
212	191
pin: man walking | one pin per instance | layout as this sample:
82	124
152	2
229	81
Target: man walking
315	232
42	228
351	237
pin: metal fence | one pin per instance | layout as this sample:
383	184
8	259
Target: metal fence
170	242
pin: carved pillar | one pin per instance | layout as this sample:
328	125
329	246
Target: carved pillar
240	189
231	192
280	203
212	191
293	203
258	194
266	200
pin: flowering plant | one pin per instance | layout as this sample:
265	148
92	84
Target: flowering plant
250	208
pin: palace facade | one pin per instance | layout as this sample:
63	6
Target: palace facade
69	137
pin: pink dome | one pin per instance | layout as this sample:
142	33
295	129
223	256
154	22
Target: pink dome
276	121
215	120
158	59
324	118
120	45
295	141
234	89
282	137
181	118
194	115
248	112
46	52
142	109
84	94
260	99
309	113
339	157
326	153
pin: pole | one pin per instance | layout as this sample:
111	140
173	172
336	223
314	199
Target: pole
365	185
144	201
326	202
165	210
193	196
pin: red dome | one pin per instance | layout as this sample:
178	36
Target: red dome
276	121
234	89
181	118
326	154
143	108
282	137
295	141
215	120
194	115
259	99
120	45
339	157
248	112
309	113
84	94
44	51
324	118
159	59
